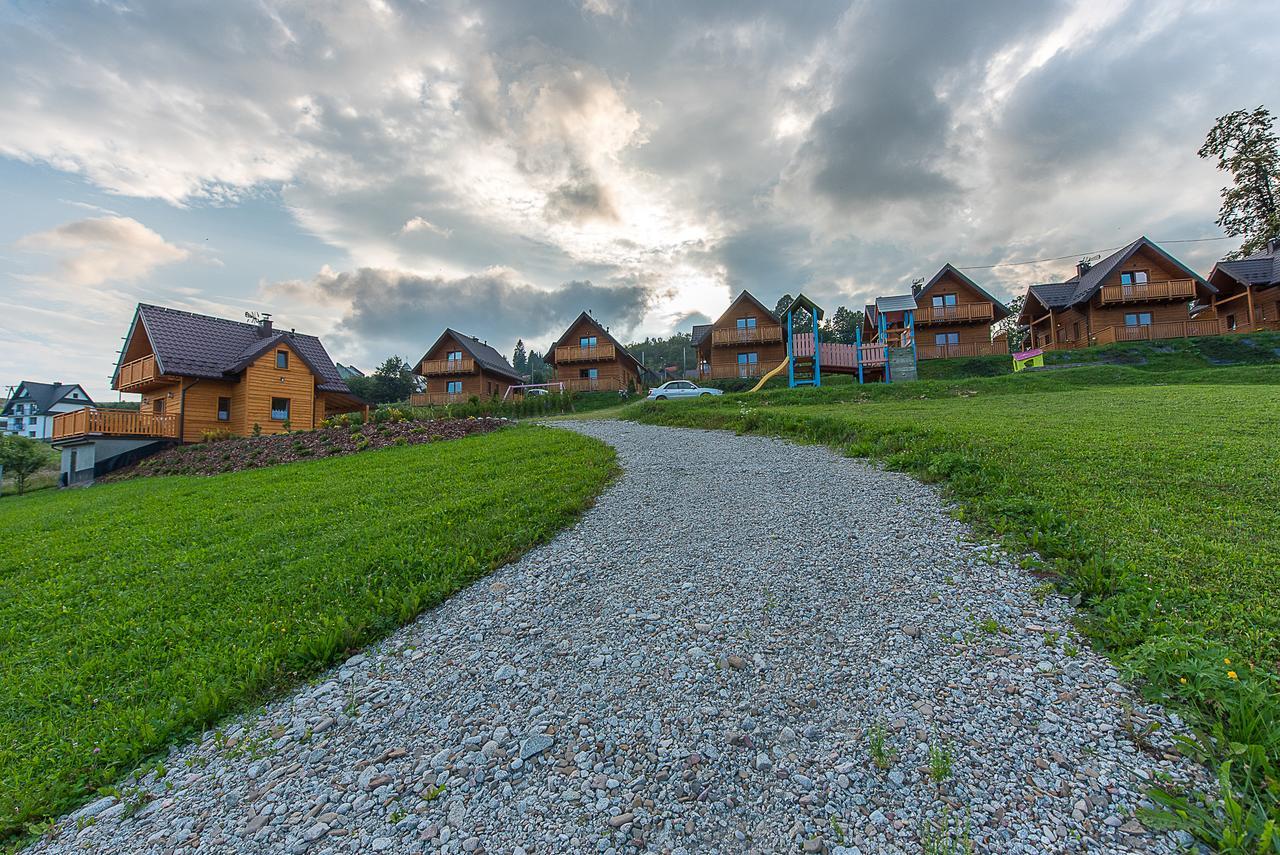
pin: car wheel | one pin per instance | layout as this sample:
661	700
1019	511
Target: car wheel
660	398
704	395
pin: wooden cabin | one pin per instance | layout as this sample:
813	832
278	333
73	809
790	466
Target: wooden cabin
459	367
954	315
1248	289
197	374
745	341
587	358
1139	293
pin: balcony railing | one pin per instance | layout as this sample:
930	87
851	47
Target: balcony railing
959	314
1164	329
595	353
440	367
140	375
724	372
1141	292
746	335
90	421
432	399
604	383
956	351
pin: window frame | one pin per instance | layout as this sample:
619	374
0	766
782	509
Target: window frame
282	360
1132	275
223	414
288	409
746	322
453	356
1138	316
585	341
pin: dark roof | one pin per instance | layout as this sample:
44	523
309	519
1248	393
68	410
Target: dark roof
1081	287
1261	268
1055	295
896	303
622	350
700	332
190	345
751	297
488	358
346	372
43	395
803	302
1001	310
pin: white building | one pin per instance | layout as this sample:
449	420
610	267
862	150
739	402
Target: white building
32	406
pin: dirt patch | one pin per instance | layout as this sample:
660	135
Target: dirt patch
236	455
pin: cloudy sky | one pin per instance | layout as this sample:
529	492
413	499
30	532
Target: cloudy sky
373	171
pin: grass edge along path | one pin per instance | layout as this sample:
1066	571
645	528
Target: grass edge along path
181	600
1234	716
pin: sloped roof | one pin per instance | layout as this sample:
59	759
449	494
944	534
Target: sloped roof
1001	310
43	395
699	334
190	345
1261	268
896	303
622	350
803	302
488	358
750	297
346	372
1055	295
1089	283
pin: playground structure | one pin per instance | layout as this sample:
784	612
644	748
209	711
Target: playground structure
892	350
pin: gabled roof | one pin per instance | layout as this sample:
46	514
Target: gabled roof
190	345
803	302
585	316
44	395
1261	268
896	303
1001	310
346	372
488	358
699	334
751	298
1055	295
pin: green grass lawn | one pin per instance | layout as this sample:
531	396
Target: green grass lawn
42	479
1159	505
135	613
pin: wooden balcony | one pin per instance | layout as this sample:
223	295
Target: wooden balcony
435	399
141	375
443	367
603	383
957	351
598	353
1164	329
725	372
964	313
90	421
767	334
1146	292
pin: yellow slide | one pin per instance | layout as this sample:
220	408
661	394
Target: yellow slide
766	378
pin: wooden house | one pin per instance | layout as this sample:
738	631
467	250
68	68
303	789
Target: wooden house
954	315
1248	289
587	358
459	367
1138	293
199	374
745	341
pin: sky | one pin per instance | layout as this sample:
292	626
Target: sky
374	171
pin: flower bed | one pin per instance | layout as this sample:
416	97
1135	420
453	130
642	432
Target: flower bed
240	453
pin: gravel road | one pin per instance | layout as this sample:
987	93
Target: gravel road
707	662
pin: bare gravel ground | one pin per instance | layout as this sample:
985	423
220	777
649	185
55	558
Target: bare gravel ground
702	664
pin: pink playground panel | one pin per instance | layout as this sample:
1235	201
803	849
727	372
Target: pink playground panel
835	357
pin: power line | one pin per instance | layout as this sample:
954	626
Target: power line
1083	254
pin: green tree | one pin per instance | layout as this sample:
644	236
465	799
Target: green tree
841	326
783	302
1246	146
1017	333
22	457
393	381
539	371
520	359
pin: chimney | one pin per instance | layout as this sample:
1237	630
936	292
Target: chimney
1082	267
264	325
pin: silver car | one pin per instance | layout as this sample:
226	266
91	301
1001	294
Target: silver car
679	389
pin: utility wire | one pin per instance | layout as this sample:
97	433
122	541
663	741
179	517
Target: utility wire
1083	254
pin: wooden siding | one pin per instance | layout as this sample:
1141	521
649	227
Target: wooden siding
263	381
198	407
482	384
721	360
614	370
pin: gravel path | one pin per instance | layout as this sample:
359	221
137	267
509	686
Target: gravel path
702	664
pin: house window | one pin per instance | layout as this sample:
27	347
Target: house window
944	300
454	387
157	406
224	409
1075	331
1137	319
946	338
1231	322
587	341
589	373
747	364
280	409
1133	277
282	359
746	323
454	356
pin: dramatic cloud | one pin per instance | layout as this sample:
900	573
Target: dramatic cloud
404	313
103	249
670	153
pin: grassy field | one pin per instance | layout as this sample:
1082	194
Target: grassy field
135	613
1156	504
46	477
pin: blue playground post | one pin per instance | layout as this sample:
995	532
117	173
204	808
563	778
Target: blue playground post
911	325
791	357
857	337
884	340
817	349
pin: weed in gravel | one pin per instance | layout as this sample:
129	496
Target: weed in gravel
947	835
881	754
941	761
